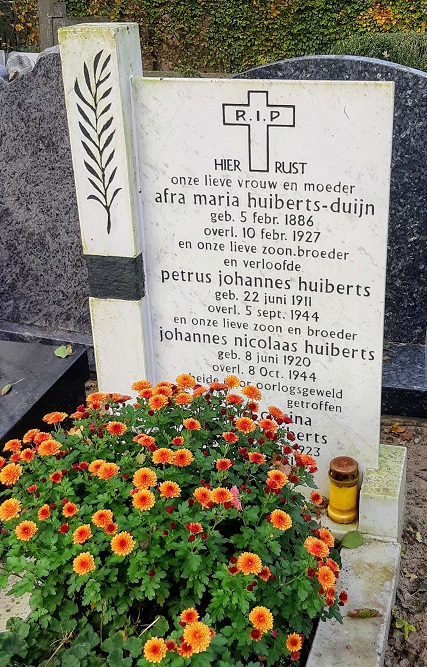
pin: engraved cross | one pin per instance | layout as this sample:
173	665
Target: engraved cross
259	116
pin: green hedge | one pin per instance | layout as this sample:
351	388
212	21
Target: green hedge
404	48
234	35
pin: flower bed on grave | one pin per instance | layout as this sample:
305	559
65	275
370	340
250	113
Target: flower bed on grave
166	532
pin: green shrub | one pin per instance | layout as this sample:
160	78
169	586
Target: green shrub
408	49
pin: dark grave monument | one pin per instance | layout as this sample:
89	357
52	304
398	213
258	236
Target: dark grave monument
41	383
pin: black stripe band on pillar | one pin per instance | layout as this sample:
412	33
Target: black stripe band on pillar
116	277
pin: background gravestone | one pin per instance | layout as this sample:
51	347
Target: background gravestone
43	276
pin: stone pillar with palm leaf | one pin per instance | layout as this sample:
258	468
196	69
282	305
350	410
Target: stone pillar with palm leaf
98	61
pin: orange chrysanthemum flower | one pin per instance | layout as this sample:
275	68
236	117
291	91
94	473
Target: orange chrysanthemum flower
249	563
102	517
185	650
183	457
265	573
185	381
96	397
280	520
10	474
163	455
230	437
223	464
2	461
146	393
189	615
84	563
108	470
255	634
278	477
275	412
157	402
198	636
252	392
316	547
12	446
256	457
144	478
49	448
56	477
25	530
141	384
143	500
326	577
261	618
155	650
41	436
199	391
267	425
195	528
10	509
183	398
233	399
221	495
332	565
111	528
69	509
120	398
116	428
30	435
203	496
163	390
43	513
294	642
27	455
316	497
306	460
178	441
81	534
327	537
169	489
218	386
95	466
192	424
144	440
232	382
170	645
54	417
123	543
245	425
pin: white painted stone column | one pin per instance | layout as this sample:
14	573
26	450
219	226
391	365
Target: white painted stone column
98	61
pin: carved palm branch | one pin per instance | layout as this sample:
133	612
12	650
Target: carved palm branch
96	127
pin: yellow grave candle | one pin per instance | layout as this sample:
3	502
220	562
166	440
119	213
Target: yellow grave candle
343	496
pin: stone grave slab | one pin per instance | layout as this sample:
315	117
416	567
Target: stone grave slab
49	383
264	217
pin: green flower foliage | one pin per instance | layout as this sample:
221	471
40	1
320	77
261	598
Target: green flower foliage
142	523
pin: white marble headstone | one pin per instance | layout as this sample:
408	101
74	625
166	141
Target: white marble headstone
265	209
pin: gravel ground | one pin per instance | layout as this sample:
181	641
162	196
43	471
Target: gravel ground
407	642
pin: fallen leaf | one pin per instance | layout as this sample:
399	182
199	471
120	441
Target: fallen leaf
363	613
63	351
6	389
405	626
386	357
410	575
395	428
408	435
352	539
418	537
